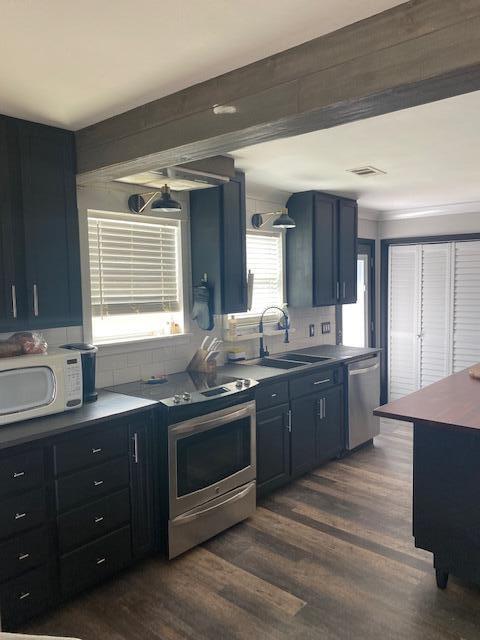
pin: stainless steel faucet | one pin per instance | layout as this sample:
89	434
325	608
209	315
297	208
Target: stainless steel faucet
263	350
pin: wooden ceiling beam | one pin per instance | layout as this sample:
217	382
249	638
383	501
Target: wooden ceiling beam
415	53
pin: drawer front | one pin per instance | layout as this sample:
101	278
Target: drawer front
270	395
24	597
88	485
22	553
94	448
95	561
19	513
315	382
98	518
21	472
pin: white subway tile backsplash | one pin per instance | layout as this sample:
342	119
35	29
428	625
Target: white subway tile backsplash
104	379
74	334
111	363
127	374
139	358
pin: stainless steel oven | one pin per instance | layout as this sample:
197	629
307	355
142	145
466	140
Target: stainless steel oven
212	472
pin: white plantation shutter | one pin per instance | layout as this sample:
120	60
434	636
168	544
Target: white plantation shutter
265	261
466	312
404	296
133	266
435	352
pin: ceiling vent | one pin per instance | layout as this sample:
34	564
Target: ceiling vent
367	171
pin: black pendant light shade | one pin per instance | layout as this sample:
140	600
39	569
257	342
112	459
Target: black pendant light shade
284	222
166	203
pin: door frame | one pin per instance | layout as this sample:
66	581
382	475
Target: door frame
368	246
385	244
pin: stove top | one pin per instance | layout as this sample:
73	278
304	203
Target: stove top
184	388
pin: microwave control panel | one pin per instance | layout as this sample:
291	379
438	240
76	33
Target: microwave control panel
73	382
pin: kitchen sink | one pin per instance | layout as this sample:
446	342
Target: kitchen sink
302	357
276	363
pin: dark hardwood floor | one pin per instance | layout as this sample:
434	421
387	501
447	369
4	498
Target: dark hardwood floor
330	557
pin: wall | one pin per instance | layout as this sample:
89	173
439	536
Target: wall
128	362
430	226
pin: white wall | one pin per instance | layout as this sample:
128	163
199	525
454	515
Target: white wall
457	223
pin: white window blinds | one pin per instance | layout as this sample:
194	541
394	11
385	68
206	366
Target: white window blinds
265	261
133	266
466	313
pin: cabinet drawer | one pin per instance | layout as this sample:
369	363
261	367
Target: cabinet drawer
315	382
24	597
21	472
85	486
22	512
95	561
91	449
79	526
270	395
22	553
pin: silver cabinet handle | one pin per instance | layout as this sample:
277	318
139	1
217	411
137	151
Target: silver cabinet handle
97	483
322	381
99	519
99	450
18	474
324	408
35	300
338	291
274	395
23	556
14	302
289	421
19	516
25	594
344	289
101	560
135	447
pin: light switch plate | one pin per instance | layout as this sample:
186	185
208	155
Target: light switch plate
326	327
311	330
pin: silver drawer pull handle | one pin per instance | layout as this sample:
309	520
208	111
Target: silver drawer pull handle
19	516
97	483
18	474
322	381
99	450
99	519
274	395
25	594
23	556
101	560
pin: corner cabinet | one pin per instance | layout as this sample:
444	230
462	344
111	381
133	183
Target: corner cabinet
322	250
218	242
40	285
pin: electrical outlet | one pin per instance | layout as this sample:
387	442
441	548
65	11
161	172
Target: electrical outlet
311	330
326	328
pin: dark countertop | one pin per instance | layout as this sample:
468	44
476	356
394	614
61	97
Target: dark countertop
339	356
108	405
451	402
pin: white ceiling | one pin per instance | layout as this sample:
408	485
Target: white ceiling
75	63
431	155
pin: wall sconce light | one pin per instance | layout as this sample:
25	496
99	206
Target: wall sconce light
283	220
165	203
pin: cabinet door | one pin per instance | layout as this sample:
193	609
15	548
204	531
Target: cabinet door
234	271
50	221
11	249
330	425
302	443
325	270
141	486
347	250
273	448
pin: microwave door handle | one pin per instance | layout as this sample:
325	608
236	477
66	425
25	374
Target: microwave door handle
189	517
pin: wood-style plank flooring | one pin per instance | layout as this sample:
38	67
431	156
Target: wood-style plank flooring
330	557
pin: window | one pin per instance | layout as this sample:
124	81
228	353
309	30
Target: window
265	261
134	277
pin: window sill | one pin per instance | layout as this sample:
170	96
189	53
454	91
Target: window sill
142	344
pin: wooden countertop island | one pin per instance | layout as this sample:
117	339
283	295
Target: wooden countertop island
446	472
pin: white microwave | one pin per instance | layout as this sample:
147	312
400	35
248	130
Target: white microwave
38	385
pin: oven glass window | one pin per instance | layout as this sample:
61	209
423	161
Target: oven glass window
206	458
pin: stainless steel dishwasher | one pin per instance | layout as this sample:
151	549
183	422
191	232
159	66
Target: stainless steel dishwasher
363	398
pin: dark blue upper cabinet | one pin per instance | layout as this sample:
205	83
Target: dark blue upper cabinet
218	241
322	250
41	284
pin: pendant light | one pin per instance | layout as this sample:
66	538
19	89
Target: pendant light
166	203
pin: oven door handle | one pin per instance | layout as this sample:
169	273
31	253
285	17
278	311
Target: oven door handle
190	517
197	425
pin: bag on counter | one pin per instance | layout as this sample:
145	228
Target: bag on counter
23	343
